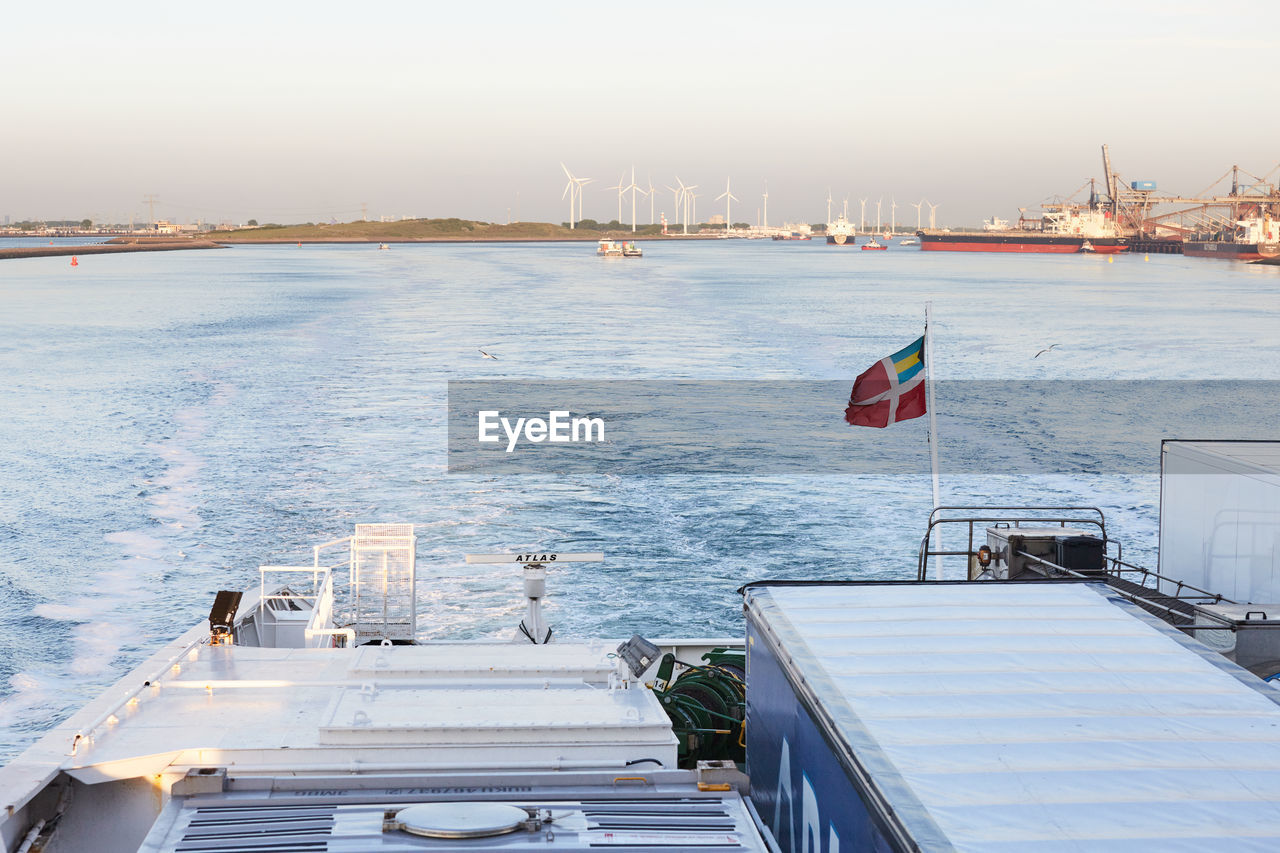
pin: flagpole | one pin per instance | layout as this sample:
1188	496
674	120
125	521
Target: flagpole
930	405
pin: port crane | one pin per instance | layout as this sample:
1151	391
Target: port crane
1133	208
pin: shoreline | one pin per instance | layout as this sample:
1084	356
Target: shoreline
111	247
240	241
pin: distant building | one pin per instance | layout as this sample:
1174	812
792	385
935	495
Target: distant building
716	220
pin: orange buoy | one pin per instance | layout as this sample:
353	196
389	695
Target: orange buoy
74	262
299	244
50	242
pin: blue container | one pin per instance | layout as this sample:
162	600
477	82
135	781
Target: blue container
1144	186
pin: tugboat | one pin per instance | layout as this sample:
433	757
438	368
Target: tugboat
872	246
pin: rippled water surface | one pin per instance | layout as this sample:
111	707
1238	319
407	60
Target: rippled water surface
172	420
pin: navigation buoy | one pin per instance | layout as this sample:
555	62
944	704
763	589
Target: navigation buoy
74	262
1110	259
299	244
1146	257
50	242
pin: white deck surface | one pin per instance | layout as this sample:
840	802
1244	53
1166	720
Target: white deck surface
403	706
1044	717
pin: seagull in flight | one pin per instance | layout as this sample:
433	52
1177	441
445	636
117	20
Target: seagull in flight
1043	351
486	355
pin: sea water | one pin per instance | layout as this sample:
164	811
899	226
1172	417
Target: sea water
170	421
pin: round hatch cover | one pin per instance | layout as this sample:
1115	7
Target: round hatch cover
461	820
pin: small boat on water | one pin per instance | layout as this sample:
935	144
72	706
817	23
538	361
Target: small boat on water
872	246
383	246
619	249
909	241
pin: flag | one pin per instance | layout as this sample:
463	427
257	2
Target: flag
891	390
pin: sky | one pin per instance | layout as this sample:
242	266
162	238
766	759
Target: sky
294	112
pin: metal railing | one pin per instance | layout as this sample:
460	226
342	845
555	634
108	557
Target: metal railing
1186	595
1042	516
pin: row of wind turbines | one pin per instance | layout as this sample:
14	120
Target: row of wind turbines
686	202
685	198
862	221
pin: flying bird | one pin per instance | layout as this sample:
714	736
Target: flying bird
1043	351
486	355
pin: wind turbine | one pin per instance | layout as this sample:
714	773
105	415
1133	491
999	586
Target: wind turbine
933	215
862	220
582	182
685	196
573	187
878	203
828	204
728	197
651	199
678	192
633	188
620	190
766	204
893	215
917	206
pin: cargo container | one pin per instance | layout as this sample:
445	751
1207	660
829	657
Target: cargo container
1220	517
999	716
1143	186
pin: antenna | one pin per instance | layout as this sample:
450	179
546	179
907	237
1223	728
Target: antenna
533	627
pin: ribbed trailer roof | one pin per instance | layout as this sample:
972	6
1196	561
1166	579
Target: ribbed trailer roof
1035	716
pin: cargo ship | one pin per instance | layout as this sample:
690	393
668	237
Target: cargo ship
841	232
1254	239
1062	229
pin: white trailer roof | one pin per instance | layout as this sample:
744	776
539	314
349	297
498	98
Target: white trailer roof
1244	457
1039	716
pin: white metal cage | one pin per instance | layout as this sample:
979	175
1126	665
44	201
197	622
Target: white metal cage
383	574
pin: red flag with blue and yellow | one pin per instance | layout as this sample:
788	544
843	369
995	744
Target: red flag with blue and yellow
891	390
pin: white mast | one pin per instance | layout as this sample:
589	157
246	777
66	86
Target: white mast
931	404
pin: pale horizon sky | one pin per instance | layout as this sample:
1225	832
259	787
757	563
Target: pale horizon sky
293	112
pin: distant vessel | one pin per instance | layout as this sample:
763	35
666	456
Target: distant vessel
793	235
909	241
1254	239
380	246
872	245
841	232
1062	228
618	249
